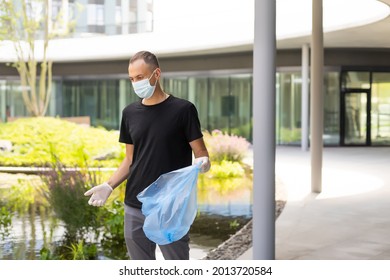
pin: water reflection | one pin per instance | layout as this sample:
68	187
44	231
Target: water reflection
227	197
224	207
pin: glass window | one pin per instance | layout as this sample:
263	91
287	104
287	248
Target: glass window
97	99
177	86
241	105
288	108
198	94
218	116
380	109
55	9
14	100
131	97
118	15
223	102
95	14
331	108
356	80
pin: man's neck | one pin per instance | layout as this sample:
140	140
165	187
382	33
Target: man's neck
158	96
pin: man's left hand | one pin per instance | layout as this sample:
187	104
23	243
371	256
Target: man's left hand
205	164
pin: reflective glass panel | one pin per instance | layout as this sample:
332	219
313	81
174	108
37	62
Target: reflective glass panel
355	118
380	109
356	80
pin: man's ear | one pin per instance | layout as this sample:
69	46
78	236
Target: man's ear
157	73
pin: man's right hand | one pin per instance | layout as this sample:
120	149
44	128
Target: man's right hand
99	194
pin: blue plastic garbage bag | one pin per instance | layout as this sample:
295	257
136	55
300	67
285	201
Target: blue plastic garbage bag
169	205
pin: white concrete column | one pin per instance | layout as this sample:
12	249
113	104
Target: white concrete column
82	16
305	99
316	104
109	17
264	72
125	11
65	12
141	15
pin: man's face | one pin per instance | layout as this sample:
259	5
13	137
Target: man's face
139	70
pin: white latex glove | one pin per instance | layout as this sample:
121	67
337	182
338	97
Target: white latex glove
205	164
99	194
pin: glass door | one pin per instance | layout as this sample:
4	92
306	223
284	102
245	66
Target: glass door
355	118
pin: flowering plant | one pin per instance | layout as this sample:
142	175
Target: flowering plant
223	146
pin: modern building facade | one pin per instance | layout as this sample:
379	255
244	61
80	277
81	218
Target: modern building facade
206	57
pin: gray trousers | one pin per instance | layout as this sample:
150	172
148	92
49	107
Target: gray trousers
140	247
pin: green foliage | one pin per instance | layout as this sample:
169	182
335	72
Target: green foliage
66	196
5	222
226	169
76	250
28	193
287	135
243	130
234	224
35	140
222	146
113	241
80	251
45	254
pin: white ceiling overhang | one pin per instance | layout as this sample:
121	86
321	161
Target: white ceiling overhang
206	27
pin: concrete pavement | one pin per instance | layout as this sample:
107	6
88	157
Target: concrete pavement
349	219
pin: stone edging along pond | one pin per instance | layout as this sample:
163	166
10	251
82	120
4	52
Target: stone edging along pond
241	241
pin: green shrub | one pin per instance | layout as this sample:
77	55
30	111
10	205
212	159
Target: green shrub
34	140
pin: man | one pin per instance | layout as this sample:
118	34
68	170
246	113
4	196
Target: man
160	132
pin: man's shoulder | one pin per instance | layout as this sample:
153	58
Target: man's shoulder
184	103
131	107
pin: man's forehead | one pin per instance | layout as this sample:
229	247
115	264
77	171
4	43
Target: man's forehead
139	65
138	68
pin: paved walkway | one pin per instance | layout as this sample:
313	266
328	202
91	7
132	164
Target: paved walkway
349	219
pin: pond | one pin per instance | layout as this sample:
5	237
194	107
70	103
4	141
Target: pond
35	231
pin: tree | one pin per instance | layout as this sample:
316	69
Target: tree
29	25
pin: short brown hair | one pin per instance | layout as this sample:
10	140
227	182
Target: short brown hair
149	58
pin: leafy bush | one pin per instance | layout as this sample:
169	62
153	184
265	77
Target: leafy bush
34	140
222	146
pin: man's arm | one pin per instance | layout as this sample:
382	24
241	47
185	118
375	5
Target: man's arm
122	172
201	154
199	148
99	194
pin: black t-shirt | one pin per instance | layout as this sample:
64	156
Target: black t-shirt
160	134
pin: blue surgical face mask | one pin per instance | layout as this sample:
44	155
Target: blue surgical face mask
143	88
